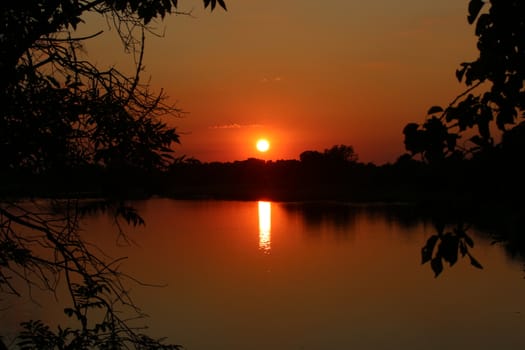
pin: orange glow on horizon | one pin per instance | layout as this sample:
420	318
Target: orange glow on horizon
267	88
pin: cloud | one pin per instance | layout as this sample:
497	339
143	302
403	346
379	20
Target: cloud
276	79
226	126
234	126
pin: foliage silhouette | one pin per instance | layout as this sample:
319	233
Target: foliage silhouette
337	154
480	133
446	247
494	93
62	120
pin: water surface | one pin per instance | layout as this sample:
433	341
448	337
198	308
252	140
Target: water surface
252	275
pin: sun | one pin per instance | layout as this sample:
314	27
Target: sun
262	145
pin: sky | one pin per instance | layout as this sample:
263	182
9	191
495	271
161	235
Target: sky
306	74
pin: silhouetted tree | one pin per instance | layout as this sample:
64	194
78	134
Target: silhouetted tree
489	112
311	157
61	112
337	154
494	94
341	154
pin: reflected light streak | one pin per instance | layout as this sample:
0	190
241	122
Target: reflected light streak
265	226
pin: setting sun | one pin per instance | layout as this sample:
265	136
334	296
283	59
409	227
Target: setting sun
262	145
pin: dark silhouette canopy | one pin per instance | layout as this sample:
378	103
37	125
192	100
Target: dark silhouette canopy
62	115
494	93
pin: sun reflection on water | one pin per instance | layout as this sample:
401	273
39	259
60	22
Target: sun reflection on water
265	226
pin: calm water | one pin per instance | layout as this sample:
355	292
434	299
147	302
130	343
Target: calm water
260	275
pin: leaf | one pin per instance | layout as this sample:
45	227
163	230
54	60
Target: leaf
448	249
222	4
434	110
473	10
214	3
437	266
461	72
474	262
505	116
477	140
426	251
483	125
483	24
469	241
463	249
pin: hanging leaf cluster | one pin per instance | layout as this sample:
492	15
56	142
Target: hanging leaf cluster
446	247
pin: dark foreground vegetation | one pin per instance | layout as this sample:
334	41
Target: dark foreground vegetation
71	130
67	120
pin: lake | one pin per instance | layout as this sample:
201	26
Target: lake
263	275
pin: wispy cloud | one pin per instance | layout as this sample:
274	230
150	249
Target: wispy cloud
271	80
234	126
226	126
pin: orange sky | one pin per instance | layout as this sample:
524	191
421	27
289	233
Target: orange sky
304	74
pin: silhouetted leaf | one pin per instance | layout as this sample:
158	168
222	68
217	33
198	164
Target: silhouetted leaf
473	10
426	251
222	4
435	109
461	72
469	240
483	123
448	249
437	266
463	249
505	116
477	140
482	24
214	3
474	262
474	72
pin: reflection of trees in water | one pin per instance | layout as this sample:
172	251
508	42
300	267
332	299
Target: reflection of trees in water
506	229
343	215
405	216
457	229
453	234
